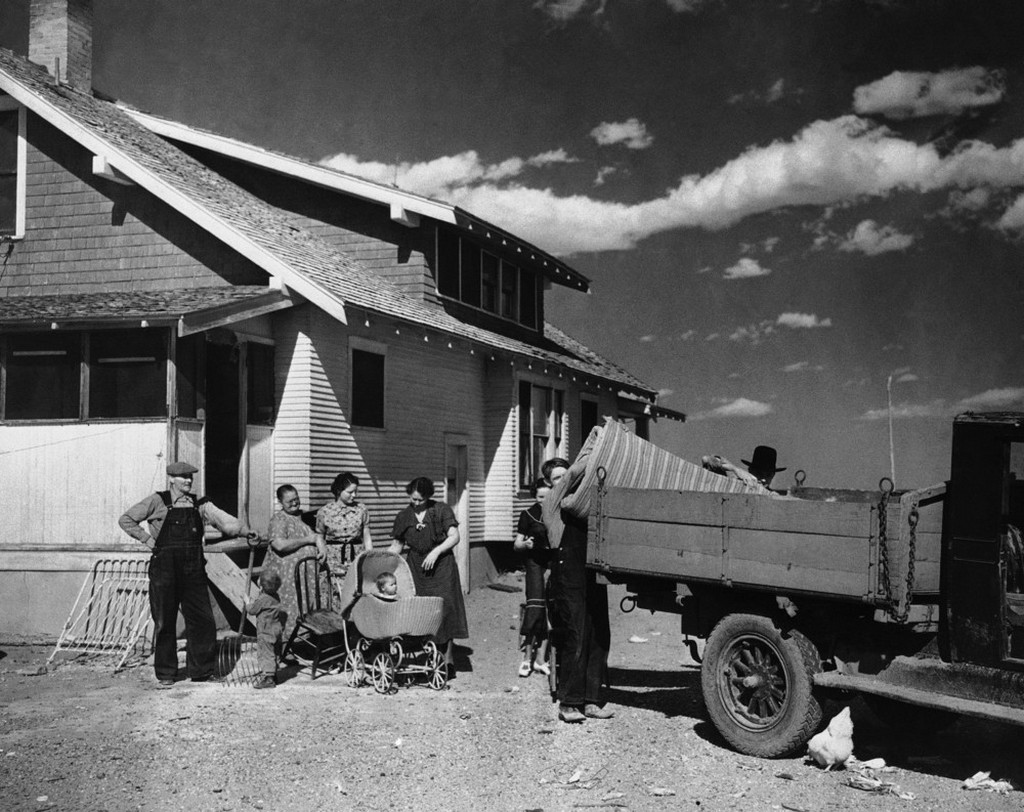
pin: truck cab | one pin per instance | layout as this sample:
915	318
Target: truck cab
983	551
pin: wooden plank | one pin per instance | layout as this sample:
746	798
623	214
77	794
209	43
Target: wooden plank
793	515
680	507
801	561
230	579
674	549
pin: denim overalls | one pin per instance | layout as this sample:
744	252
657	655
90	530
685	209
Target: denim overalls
177	578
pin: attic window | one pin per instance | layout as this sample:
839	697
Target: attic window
476	277
12	168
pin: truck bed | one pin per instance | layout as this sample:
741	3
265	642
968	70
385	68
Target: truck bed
821	543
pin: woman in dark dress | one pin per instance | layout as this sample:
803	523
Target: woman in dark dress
429	532
532	541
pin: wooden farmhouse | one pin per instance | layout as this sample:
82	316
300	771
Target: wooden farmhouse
167	293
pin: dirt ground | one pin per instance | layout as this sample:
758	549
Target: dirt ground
79	737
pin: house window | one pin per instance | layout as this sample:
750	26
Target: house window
509	290
478	278
128	373
541	417
12	168
489	282
259	363
43	376
72	375
588	417
367	388
528	298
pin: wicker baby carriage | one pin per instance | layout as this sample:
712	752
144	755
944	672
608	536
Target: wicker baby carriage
392	640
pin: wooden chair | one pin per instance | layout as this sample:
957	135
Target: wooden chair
319	629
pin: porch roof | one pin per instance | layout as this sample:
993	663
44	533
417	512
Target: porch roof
193	309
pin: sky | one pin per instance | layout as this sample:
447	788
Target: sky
790	211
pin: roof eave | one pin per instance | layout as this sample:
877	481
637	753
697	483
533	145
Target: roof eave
174	198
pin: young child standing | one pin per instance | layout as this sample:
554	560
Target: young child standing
270	619
532	541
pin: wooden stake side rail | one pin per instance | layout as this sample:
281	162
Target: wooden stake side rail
786	544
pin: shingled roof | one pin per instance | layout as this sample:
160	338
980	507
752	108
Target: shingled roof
302	261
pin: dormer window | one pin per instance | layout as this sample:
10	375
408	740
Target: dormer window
480	278
12	168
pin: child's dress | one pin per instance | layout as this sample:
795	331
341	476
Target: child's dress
535	622
270	620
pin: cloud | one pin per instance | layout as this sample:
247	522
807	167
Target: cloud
602	173
746	268
993	399
776	91
664	393
754	333
631	133
647	339
685	6
800	321
906	377
563	11
1004	398
828	163
688	335
552	156
868	238
1013	217
802	366
907	94
740	407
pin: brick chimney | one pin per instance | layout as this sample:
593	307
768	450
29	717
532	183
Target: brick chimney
62	30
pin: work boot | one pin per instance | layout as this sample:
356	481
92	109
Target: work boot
265	681
567	713
592	711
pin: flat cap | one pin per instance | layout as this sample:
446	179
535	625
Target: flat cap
181	469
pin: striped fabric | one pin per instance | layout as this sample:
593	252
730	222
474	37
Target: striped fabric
628	462
631	462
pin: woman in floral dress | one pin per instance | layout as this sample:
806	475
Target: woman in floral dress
291	541
342	526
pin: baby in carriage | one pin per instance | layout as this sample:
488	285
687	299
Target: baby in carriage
387	586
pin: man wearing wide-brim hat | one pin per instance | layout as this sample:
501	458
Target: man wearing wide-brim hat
177	571
762	466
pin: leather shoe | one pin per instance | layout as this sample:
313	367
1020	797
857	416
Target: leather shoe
165	683
592	711
567	713
265	681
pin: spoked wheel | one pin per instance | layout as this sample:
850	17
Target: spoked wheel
355	668
383	673
437	672
757	685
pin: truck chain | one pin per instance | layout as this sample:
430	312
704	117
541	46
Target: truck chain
892	605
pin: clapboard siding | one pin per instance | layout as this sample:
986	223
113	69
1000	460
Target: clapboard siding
67	484
84	234
500	453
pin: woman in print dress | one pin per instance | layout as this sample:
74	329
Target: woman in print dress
342	526
291	540
429	532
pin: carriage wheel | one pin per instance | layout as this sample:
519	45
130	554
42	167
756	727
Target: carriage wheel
355	668
437	673
383	673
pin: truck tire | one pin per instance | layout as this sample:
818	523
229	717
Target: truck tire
757	684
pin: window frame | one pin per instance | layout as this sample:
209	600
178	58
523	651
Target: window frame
359	344
8	104
460	295
85	363
556	445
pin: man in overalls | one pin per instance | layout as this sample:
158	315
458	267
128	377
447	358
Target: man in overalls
177	571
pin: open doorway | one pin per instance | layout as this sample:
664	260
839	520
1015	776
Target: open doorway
223	433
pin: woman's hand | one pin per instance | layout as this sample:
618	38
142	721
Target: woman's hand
431	560
523	542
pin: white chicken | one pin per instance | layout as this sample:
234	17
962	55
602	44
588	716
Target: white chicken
834	745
